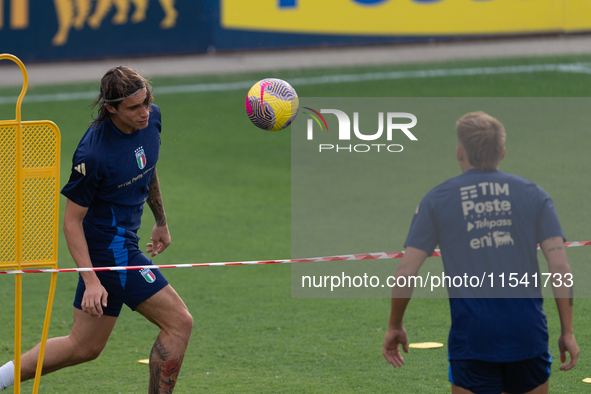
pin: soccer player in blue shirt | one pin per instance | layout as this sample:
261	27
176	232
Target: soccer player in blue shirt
489	222
113	175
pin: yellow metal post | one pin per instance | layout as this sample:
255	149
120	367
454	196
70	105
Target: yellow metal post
45	332
29	209
18	302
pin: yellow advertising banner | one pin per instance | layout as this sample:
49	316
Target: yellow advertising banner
406	17
577	15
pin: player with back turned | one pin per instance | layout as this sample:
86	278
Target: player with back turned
113	175
488	221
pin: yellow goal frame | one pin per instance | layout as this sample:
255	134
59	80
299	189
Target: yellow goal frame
29	209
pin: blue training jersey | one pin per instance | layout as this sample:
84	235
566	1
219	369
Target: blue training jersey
489	222
111	173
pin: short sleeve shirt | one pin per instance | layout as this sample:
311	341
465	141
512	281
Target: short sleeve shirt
111	172
489	222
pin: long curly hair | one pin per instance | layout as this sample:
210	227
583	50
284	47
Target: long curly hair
119	83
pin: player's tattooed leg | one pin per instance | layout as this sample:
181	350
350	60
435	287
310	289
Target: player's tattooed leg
164	370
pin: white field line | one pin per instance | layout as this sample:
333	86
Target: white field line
582	68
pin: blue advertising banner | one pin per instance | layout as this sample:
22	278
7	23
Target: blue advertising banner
77	29
85	29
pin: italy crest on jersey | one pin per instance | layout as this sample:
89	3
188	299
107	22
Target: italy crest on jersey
148	275
140	157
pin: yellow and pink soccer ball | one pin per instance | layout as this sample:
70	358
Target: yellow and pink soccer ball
272	104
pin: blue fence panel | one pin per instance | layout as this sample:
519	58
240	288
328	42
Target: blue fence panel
78	29
83	29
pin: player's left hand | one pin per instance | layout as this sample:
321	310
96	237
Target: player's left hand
568	343
160	240
395	337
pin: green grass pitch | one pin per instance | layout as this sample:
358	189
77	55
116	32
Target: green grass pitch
226	190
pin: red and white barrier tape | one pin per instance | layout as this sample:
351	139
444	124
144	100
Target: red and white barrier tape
348	257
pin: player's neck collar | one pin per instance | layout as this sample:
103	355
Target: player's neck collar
120	133
475	170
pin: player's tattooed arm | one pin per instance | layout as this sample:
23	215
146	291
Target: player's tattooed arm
160	239
559	267
552	249
155	201
556	249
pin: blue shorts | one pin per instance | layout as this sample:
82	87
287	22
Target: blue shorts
516	377
130	287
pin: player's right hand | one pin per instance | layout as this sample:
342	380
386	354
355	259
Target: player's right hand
94	299
395	337
568	343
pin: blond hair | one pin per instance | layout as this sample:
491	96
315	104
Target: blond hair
483	139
